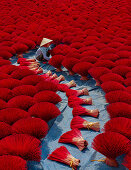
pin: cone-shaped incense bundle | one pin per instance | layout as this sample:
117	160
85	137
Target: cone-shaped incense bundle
71	92
80	123
79	110
74	137
62	155
76	101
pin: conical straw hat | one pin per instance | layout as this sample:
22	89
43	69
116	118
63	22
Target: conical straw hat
45	41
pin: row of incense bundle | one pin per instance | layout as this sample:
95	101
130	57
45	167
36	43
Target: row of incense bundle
31	64
24	113
74	136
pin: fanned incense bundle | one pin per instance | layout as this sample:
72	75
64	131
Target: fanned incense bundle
27	90
74	137
57	80
8	69
105	63
81	111
31	80
21	73
22	102
80	123
76	101
56	61
71	92
111	145
5	130
112	86
82	69
65	87
3	104
11	115
4	76
32	126
47	96
111	57
97	72
125	62
120	125
4	62
68	63
121	70
118	96
12	162
90	59
44	110
112	77
5	94
119	109
62	155
25	59
25	146
9	83
46	85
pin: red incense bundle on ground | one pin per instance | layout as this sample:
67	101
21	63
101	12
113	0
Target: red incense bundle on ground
9	83
111	145
3	104
120	125
5	94
112	86
118	96
82	69
124	62
62	155
104	63
71	92
21	73
97	72
4	62
56	61
74	137
31	80
80	123
4	76
46	85
121	70
22	102
25	146
90	59
11	115
27	90
111	57
5	130
128	75
119	109
47	96
32	126
8	69
56	80
68	63
20	48
76	101
65	87
81	111
25	59
12	162
45	111
5	54
112	77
